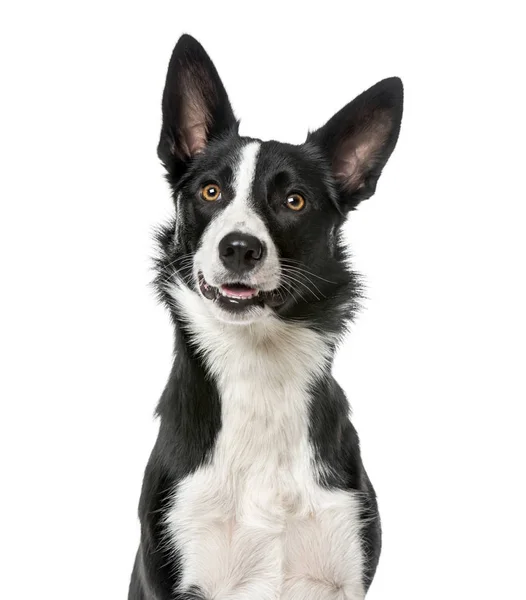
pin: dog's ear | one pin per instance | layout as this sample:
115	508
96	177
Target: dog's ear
359	139
195	106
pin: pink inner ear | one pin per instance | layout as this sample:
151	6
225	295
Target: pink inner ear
195	137
359	150
195	120
347	168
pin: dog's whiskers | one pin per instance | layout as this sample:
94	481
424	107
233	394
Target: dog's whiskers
185	257
297	279
302	276
300	266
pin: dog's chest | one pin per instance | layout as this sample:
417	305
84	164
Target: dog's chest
254	523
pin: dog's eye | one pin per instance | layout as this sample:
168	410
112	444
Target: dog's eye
211	192
295	202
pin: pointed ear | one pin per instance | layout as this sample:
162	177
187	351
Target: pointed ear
360	138
195	106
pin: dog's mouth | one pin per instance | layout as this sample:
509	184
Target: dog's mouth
237	296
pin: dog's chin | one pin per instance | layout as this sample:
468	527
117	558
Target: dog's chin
245	316
236	303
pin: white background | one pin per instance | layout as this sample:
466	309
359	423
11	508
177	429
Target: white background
434	367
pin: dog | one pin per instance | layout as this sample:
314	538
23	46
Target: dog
255	488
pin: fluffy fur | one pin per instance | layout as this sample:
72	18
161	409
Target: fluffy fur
255	488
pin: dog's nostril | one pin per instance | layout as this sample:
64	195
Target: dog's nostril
254	254
240	252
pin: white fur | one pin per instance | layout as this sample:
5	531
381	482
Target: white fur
239	215
254	524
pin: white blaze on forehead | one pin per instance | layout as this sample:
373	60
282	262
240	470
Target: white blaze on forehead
246	171
240	216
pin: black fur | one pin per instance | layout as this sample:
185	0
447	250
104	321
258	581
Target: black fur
206	149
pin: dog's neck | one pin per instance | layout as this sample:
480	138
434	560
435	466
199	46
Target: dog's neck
271	351
239	384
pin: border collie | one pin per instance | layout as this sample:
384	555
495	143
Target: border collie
255	489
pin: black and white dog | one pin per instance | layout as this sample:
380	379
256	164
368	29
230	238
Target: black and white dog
255	489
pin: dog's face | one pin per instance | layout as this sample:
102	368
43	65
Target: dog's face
257	223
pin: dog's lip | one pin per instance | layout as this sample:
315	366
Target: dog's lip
208	291
239	293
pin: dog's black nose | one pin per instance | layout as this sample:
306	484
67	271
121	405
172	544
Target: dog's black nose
240	252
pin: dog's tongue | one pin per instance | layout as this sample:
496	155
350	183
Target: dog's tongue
241	291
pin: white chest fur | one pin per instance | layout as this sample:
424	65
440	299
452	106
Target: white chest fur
254	524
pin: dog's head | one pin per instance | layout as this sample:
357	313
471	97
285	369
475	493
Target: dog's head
257	224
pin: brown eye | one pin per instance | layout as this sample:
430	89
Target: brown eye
211	192
295	202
